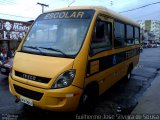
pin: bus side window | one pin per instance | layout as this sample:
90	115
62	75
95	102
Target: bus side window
119	34
129	35
136	35
102	37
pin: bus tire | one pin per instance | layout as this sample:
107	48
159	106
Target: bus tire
88	100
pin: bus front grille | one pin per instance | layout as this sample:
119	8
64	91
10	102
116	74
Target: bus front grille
28	93
32	77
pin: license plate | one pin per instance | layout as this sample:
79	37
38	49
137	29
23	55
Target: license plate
26	101
3	70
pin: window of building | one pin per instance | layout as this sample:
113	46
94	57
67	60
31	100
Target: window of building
119	34
102	37
136	35
129	35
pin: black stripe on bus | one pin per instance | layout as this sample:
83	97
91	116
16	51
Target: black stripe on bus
112	60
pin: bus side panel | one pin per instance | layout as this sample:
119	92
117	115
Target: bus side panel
134	61
109	67
132	57
107	77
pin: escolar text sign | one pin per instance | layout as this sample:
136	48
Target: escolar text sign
68	14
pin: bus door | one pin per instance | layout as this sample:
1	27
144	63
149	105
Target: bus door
100	59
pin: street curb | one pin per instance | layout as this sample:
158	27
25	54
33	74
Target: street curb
149	103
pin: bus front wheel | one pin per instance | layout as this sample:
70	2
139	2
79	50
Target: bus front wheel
88	100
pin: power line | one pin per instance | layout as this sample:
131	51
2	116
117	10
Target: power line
140	7
15	15
7	2
148	15
71	3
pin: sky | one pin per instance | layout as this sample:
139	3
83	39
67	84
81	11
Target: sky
25	10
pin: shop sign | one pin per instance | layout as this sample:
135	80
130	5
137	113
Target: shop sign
13	30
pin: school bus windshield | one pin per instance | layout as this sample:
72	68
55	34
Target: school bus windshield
58	33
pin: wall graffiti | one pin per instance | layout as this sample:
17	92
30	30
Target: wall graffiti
13	30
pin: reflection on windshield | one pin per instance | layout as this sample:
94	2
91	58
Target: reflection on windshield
53	49
65	35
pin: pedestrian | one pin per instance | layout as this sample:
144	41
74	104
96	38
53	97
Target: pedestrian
1	55
4	55
9	54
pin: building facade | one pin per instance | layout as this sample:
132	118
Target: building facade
11	33
151	29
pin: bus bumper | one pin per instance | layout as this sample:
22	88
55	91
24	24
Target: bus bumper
62	100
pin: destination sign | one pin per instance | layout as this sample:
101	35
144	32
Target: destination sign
68	14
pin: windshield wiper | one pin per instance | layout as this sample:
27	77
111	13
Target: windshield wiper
36	48
54	49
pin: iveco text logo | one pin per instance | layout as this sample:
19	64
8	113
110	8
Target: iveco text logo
30	77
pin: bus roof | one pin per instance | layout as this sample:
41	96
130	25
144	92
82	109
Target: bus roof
102	9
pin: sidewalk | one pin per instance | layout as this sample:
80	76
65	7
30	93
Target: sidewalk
150	101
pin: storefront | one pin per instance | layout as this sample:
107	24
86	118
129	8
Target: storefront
11	33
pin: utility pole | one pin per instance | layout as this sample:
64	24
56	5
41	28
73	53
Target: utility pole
43	5
71	3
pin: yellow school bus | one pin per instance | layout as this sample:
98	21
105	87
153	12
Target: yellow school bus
72	55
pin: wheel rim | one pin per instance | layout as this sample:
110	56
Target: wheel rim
129	75
85	98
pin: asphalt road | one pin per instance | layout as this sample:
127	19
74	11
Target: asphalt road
121	98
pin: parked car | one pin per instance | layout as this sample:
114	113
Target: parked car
6	66
145	45
154	45
149	45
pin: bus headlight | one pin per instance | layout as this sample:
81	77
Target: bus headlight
64	80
